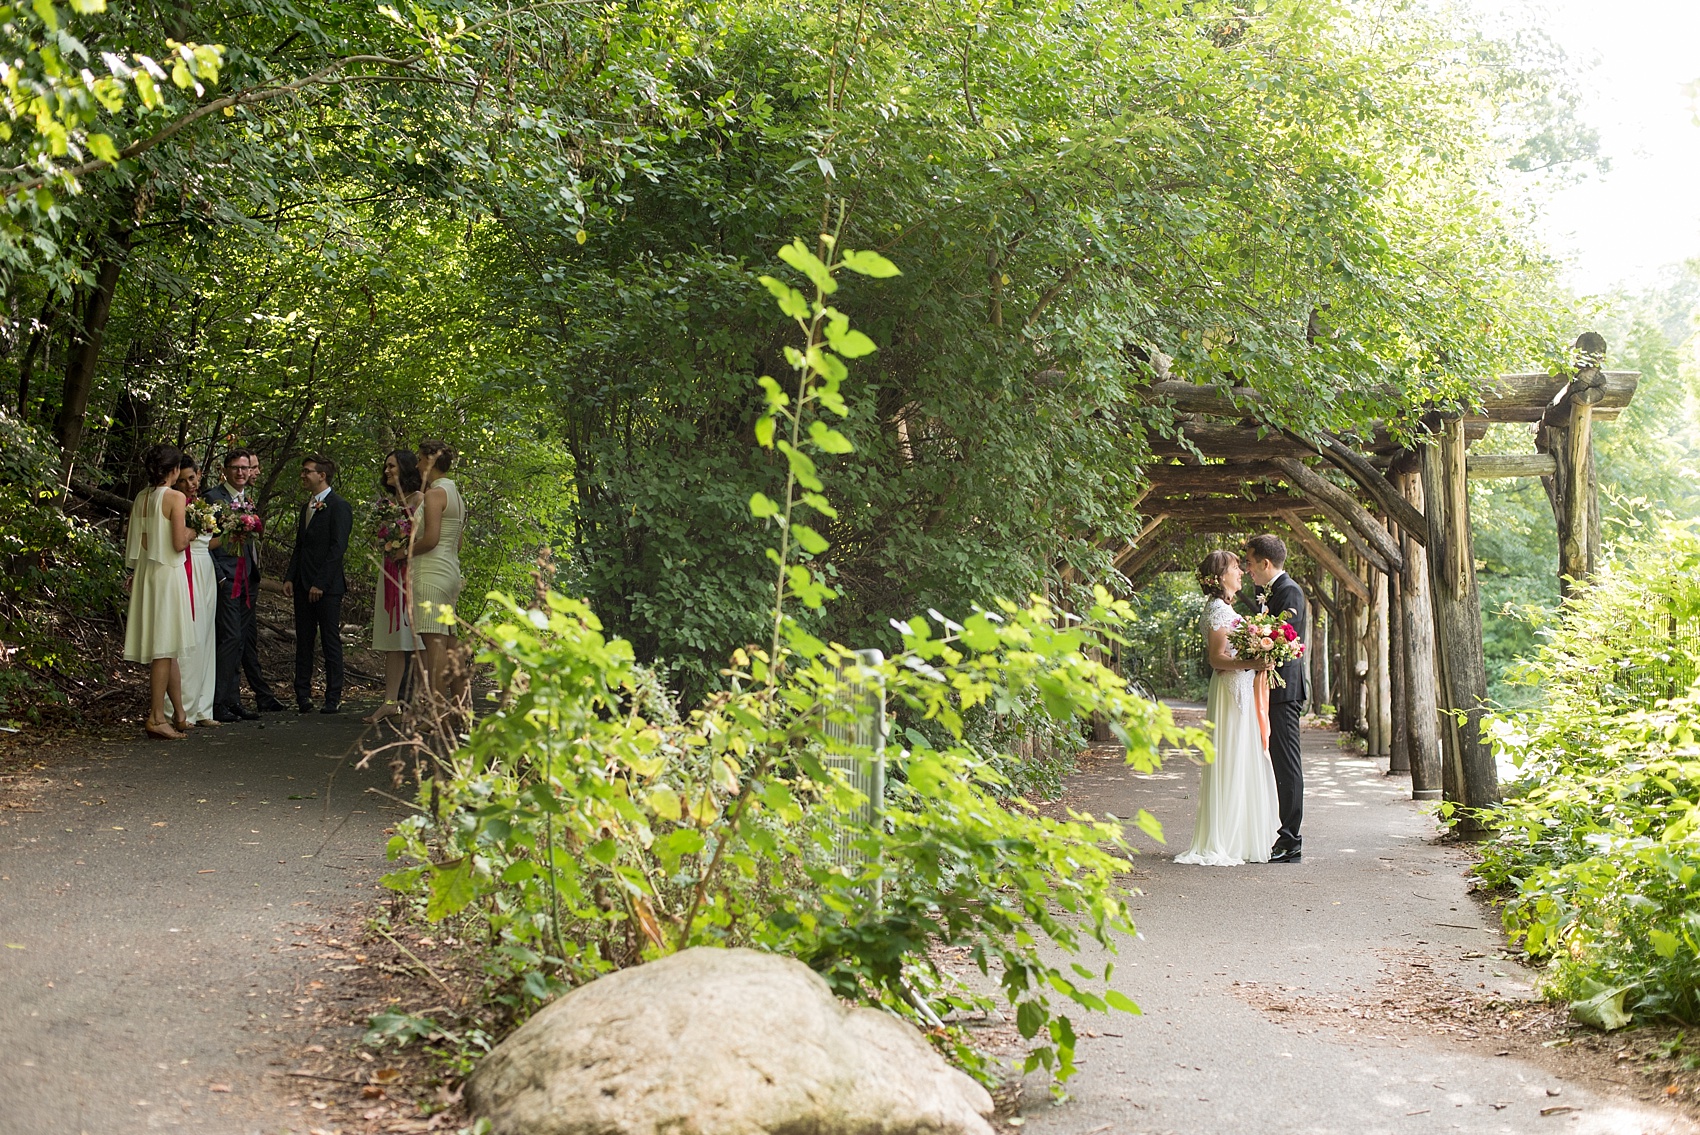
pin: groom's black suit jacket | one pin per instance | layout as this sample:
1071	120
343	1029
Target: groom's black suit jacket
226	562
321	546
1285	594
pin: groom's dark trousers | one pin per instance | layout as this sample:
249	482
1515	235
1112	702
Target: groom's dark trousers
1286	705
236	632
321	541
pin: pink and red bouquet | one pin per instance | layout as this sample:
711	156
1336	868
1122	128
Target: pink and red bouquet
394	528
1267	638
240	520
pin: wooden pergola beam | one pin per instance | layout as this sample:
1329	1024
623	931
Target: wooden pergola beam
1356	466
1332	496
1478	466
1218	439
1527	397
1325	556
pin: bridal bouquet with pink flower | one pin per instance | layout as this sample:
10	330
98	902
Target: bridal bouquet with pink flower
240	520
394	526
1267	638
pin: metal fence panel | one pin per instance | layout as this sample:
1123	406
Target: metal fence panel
861	735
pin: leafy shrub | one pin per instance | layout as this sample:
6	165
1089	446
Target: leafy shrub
1599	838
54	570
591	826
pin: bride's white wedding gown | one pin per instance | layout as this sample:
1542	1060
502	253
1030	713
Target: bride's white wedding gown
1238	811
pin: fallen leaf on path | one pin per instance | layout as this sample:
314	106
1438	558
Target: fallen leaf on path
218	1087
372	1092
386	1075
1559	1110
207	871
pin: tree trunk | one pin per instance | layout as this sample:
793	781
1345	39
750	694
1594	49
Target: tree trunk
85	350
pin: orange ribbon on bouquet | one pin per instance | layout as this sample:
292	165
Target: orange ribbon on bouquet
1260	695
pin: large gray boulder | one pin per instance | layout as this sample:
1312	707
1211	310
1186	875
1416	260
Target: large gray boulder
721	1042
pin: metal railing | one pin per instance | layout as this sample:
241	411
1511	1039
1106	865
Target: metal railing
855	730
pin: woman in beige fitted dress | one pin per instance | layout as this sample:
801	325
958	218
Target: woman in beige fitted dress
436	562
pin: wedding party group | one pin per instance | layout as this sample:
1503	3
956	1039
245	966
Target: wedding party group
1251	796
194	554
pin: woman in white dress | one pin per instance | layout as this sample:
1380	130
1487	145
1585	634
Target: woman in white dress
435	569
160	630
1238	811
392	613
199	667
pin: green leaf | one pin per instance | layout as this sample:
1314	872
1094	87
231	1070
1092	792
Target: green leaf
764	431
1030	1017
802	467
804	261
791	301
1665	944
870	264
1604	1010
45	12
88	7
820	504
829	440
762	506
452	888
811	541
1119	1000
777	399
851	344
101	146
664	802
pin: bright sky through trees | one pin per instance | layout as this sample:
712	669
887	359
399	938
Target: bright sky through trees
1621	227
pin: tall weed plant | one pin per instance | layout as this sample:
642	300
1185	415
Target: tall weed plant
1600	838
590	825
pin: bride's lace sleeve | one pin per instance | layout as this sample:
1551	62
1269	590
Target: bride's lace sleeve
1218	616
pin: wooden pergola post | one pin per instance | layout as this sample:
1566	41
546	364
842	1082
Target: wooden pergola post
1399	756
1469	777
1417	620
1566	433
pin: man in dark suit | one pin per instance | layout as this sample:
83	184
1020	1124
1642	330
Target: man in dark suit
237	565
316	583
1266	558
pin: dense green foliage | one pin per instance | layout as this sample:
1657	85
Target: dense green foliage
54	569
1599	843
529	231
601	828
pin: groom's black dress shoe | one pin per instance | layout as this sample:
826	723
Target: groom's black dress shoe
268	705
245	713
226	716
1286	855
303	707
331	708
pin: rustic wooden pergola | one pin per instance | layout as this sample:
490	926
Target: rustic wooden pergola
1398	639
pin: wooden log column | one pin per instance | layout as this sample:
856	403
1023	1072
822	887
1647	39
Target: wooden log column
1399	756
1380	668
1416	617
1566	434
1469	777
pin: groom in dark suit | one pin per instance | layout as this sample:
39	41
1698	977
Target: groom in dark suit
1266	559
315	581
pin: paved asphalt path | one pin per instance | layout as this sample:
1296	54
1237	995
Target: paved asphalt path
149	909
1202	1060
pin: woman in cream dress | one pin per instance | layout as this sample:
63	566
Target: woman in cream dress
435	569
1238	812
199	666
392	613
160	630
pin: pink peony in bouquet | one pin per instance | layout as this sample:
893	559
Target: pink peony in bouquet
1267	638
240	520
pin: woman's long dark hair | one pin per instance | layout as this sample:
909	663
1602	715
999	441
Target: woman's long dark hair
407	474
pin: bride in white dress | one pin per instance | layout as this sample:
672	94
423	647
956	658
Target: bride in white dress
1238	811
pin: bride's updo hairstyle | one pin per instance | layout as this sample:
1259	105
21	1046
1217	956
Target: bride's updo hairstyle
161	462
440	453
1210	574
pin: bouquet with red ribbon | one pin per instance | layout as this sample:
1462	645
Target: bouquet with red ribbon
394	528
240	520
1267	638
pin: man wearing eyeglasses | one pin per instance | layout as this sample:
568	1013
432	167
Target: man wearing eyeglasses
238	566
